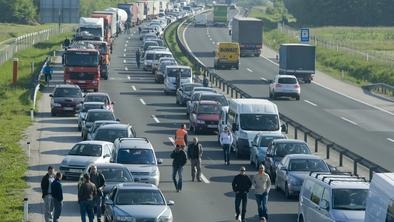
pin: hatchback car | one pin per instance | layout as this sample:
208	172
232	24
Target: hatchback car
292	170
94	115
205	116
66	99
163	63
97	125
260	145
134	202
86	106
162	55
184	92
171	73
84	153
285	86
100	97
111	132
220	98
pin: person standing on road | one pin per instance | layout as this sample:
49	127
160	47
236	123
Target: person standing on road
181	136
226	139
241	186
138	58
46	183
99	181
139	29
205	81
194	153
262	185
47	73
57	197
179	160
86	194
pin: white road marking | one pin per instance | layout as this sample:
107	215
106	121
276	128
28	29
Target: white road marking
124	50
127	41
204	179
125	68
262	78
210	39
249	70
172	140
142	101
391	140
128	37
349	121
307	101
214	43
155	119
124	55
128	77
124	60
133	87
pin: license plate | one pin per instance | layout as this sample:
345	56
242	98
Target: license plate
212	126
68	108
75	170
81	81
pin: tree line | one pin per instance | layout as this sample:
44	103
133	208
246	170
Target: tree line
342	12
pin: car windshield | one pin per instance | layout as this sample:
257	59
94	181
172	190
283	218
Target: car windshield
96	98
110	135
259	122
185	73
218	98
68	92
287	80
266	140
136	156
92	31
112	174
87	107
209	109
147	44
139	197
86	150
307	165
96	125
161	55
81	58
94	116
349	199
189	87
283	149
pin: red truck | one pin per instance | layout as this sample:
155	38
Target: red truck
107	26
82	67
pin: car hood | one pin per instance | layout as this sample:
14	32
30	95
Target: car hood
208	117
299	175
82	161
141	211
67	100
140	167
348	215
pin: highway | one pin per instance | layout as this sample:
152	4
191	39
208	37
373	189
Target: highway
363	129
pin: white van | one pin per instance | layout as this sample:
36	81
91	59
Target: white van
201	20
171	74
380	201
159	54
246	118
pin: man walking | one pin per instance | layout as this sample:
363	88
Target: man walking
46	183
99	181
47	73
194	153
226	139
179	160
86	194
138	58
241	186
57	197
181	136
262	185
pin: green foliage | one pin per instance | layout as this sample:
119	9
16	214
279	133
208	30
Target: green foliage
271	14
12	30
18	11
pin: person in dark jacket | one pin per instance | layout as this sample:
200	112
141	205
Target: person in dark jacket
205	81
98	180
46	182
194	153
86	194
138	58
241	186
179	160
57	197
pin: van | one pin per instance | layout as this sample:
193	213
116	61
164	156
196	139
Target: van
380	201
159	54
153	56
227	55
248	117
170	77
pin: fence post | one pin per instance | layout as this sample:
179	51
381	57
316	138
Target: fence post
295	132
26	209
306	137
340	159
328	151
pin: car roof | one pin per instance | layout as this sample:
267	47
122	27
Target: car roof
66	86
276	133
95	142
286	76
208	102
93	103
115	126
108	165
340	180
107	121
288	141
192	84
138	186
136	142
203	87
179	67
303	156
96	94
99	110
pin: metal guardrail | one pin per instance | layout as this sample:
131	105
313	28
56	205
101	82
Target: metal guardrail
236	92
380	88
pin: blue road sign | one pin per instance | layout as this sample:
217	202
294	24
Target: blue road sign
304	35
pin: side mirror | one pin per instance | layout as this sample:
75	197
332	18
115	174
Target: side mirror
234	127
118	119
109	201
113	103
170	203
284	128
50	95
159	161
106	156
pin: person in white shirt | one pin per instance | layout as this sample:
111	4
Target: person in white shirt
262	184
226	139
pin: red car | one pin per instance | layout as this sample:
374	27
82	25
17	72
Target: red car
205	116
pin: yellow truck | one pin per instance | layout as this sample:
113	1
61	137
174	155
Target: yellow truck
227	55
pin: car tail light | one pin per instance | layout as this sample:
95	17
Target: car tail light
297	86
68	81
278	85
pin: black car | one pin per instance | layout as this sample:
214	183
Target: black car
111	132
278	149
66	99
184	92
95	115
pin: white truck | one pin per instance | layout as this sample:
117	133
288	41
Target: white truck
92	26
201	20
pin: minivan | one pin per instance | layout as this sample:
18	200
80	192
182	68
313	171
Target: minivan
170	77
380	200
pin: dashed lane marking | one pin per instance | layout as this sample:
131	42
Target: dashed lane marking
311	103
124	50
262	78
124	54
124	60
133	87
349	121
391	140
142	101
128	77
125	68
249	70
155	119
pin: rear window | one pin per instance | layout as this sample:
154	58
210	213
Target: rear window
228	49
349	199
149	56
287	80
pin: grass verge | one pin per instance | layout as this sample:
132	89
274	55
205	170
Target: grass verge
15	104
11	30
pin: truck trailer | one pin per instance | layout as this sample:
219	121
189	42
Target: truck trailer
220	15
248	32
92	26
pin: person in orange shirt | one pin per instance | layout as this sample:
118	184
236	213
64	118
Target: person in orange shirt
181	136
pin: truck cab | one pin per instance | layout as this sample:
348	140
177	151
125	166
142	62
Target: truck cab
93	26
227	55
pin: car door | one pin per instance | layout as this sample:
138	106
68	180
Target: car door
269	160
281	174
106	153
109	211
254	150
313	213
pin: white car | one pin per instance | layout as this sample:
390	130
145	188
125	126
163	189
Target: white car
285	86
84	153
171	73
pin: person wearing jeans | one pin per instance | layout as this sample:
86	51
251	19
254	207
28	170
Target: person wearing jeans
226	139
194	153
241	185
57	197
179	160
86	194
262	185
99	181
47	193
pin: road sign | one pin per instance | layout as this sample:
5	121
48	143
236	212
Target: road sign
304	36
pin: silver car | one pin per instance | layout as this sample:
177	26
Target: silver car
284	86
134	202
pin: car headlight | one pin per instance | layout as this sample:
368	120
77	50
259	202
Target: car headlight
200	121
165	219
125	219
56	104
155	172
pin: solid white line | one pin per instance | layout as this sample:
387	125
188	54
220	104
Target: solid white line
249	70
307	101
204	179
128	37
391	140
124	60
349	121
125	68
133	87
155	119
142	101
262	78
171	140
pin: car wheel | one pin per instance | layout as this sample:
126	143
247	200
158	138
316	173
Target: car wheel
287	192
270	94
274	96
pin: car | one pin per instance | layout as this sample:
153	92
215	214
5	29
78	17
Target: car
66	99
278	149
137	202
95	115
86	106
203	89
380	200
97	125
149	43
100	97
113	173
158	55
292	170
284	86
260	145
171	73
159	41
138	155
163	63
220	98
204	116
84	153
334	197
146	31
184	92
111	132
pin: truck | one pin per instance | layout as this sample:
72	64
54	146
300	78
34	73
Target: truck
121	18
248	32
132	12
220	15
201	20
107	26
92	26
156	8
82	68
227	55
297	59
114	20
141	12
150	9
